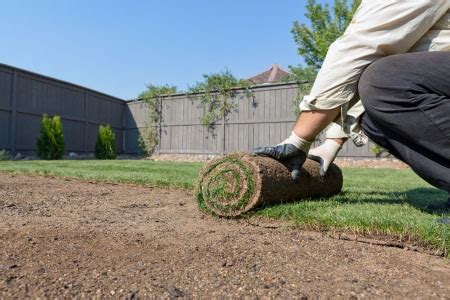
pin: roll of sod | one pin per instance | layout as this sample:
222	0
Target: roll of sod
234	184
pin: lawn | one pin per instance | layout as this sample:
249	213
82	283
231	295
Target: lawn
143	172
374	201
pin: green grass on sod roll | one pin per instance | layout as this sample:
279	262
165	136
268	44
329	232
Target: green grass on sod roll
216	186
373	201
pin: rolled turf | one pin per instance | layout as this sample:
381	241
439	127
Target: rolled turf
234	184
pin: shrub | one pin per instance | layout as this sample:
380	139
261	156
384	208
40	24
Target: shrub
147	140
380	151
50	144
4	155
105	148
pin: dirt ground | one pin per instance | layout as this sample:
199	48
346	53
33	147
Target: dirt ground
64	238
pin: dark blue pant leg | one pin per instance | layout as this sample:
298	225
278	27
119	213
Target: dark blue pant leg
407	102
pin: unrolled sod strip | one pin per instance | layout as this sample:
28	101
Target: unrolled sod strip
234	184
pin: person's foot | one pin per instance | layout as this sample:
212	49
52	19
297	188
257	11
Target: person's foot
445	221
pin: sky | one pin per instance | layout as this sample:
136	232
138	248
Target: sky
117	47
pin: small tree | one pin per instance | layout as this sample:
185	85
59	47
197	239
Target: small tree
313	40
105	148
50	143
326	25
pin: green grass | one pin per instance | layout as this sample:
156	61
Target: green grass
143	172
374	201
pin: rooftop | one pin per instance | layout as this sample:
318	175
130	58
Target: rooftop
274	74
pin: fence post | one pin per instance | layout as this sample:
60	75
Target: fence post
159	124
124	128
13	127
85	145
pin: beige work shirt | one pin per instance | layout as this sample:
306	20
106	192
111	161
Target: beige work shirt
379	28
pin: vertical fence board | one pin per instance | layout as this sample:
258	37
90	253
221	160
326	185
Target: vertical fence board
5	124
13	118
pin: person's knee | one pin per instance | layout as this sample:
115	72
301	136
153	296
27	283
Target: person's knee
370	86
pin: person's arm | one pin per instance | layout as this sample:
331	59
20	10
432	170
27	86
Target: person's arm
378	29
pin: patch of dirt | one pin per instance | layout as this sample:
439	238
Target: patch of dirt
62	238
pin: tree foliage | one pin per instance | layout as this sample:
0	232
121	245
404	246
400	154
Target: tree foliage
155	91
313	40
50	143
105	148
149	135
216	93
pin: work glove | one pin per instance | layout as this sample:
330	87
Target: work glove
325	154
291	152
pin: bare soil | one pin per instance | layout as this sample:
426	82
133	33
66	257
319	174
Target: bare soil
63	238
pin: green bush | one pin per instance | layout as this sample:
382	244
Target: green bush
50	144
4	155
380	151
105	148
147	141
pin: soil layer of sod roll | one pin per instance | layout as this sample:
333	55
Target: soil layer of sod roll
234	184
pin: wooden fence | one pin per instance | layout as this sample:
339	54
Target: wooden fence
264	119
25	96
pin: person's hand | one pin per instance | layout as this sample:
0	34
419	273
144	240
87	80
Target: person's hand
279	152
288	154
325	154
291	152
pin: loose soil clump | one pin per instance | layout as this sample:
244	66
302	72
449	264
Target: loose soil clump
63	238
